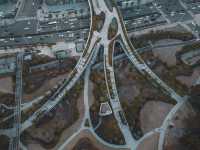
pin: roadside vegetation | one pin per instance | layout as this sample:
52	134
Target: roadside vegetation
7	99
166	62
143	40
187	123
98	22
169	73
48	128
194	47
107	129
191	138
134	92
100	95
113	28
36	79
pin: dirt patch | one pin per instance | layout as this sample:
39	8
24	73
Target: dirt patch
65	118
167	54
94	141
179	123
149	116
169	73
46	86
189	81
4	142
139	92
7	99
47	131
128	92
84	144
127	85
151	143
91	98
6	85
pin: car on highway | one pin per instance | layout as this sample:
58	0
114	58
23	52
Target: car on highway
26	28
12	39
73	19
60	35
51	23
29	37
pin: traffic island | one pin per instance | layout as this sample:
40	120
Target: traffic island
85	143
113	29
100	95
109	4
98	22
105	126
109	131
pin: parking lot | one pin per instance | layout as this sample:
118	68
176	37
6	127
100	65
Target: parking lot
173	10
33	31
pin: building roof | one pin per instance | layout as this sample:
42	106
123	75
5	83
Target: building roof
105	109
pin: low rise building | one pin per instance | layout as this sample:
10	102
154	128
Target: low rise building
79	9
61	54
105	109
80	45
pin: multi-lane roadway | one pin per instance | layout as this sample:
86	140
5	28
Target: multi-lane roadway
101	37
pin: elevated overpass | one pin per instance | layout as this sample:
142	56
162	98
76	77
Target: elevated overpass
96	37
15	141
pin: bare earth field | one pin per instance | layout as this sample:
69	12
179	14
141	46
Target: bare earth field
163	61
149	116
53	131
166	54
171	139
189	81
94	141
84	143
6	85
46	86
140	99
150	143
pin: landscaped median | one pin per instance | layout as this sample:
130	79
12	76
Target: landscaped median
98	22
106	127
113	29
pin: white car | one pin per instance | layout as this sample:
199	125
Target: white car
61	35
29	37
51	23
26	28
